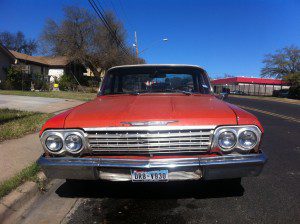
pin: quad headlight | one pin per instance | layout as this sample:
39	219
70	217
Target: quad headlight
63	141
227	140
54	143
73	142
247	139
237	138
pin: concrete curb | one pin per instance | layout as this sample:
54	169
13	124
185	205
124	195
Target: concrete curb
15	200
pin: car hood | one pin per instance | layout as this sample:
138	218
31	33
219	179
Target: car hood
114	110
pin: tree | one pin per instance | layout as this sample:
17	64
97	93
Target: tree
18	42
226	75
84	39
293	79
283	63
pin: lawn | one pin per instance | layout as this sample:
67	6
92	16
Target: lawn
53	94
15	123
27	174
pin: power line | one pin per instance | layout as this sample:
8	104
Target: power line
106	24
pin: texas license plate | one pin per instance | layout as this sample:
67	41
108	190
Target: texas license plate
149	176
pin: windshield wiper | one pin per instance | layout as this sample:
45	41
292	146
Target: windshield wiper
134	93
167	90
137	93
179	91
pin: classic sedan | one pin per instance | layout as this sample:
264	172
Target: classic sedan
152	123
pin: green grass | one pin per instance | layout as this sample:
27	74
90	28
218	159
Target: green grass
53	94
27	174
15	123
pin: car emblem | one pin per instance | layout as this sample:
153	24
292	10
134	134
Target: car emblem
148	123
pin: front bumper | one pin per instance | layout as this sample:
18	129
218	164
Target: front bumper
193	168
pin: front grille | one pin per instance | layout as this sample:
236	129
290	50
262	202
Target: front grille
149	142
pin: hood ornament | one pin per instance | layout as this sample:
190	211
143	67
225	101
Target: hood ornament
148	123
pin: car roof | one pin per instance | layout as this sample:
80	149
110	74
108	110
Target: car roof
155	65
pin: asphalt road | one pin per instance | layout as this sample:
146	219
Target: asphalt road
285	109
273	197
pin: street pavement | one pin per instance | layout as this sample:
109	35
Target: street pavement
37	104
272	197
286	109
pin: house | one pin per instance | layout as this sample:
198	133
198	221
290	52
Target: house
249	85
49	67
6	59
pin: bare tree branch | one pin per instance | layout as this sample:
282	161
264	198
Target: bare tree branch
18	42
84	39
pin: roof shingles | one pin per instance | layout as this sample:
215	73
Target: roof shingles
50	61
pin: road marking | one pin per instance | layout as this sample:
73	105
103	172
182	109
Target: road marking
270	113
272	99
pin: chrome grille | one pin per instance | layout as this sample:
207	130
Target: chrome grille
149	141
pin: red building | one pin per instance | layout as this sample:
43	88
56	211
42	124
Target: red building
248	85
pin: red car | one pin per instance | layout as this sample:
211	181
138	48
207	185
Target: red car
153	123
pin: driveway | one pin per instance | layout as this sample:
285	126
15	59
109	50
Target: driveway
38	104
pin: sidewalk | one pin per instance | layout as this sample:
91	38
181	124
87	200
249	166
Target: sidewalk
274	99
17	154
37	104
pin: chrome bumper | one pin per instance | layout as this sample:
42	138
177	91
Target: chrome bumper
209	168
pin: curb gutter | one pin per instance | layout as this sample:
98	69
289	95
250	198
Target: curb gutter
11	203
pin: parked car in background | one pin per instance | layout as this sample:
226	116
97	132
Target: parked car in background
153	123
223	96
281	93
237	92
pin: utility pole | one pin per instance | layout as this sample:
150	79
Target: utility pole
136	45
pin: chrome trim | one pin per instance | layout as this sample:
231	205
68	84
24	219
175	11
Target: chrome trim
149	128
229	166
63	133
149	144
148	136
237	129
155	65
145	140
148	123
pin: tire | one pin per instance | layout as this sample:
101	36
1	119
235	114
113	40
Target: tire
234	181
73	181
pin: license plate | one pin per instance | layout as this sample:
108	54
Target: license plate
149	176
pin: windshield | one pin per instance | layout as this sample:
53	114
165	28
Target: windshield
140	80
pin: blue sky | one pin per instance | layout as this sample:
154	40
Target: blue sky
222	36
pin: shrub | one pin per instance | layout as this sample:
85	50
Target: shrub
294	92
67	82
15	79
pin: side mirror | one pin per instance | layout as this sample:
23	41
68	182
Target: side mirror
222	96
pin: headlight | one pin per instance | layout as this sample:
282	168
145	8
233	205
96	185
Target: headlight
54	143
247	139
238	139
227	140
64	141
73	143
